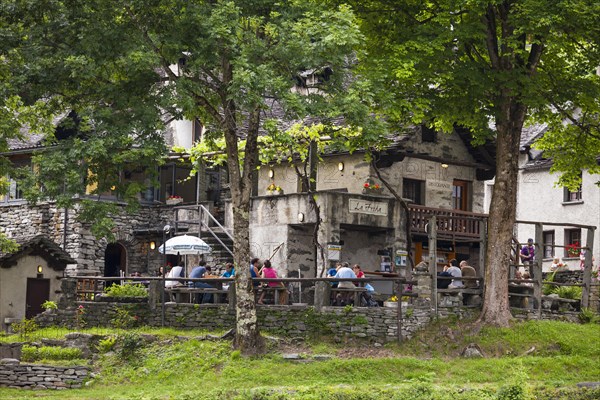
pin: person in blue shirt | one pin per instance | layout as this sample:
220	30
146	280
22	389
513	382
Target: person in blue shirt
199	272
254	270
229	271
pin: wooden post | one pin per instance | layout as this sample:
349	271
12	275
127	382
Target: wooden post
432	235
536	267
482	249
400	287
587	269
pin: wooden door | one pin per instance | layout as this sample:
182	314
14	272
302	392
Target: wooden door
460	195
38	291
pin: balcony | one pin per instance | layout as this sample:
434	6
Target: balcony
451	224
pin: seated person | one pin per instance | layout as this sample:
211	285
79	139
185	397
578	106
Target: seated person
468	271
175	272
199	272
443	283
268	272
344	271
331	273
229	271
455	272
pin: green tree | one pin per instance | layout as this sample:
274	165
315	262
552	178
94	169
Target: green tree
492	67
127	67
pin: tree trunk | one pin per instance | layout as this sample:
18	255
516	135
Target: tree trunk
496	310
247	338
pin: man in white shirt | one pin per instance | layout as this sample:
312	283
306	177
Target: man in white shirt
345	272
456	273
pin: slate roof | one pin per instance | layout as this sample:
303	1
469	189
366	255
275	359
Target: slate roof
39	245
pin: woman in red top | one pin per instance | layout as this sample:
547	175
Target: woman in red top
268	271
358	271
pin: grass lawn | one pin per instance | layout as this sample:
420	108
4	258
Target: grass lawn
542	359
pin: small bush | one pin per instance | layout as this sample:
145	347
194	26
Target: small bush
25	328
130	344
30	353
106	345
588	316
49	305
123	319
569	292
126	291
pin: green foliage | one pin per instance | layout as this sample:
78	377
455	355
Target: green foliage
588	316
569	292
409	312
517	386
25	327
123	319
136	290
130	344
31	353
49	305
107	344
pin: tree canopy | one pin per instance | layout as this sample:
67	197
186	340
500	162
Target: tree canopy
492	67
127	69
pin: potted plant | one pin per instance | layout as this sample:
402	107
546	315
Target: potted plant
372	188
174	200
573	249
391	302
271	189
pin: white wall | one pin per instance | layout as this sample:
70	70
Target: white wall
13	285
539	200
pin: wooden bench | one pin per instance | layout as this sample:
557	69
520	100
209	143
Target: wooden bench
461	292
276	292
348	293
180	291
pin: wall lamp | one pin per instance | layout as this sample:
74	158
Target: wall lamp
152	245
444	165
301	217
340	166
271	173
40	269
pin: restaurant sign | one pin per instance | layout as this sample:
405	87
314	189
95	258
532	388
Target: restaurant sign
368	207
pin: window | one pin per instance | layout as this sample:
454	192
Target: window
548	244
572	242
572	196
428	135
14	189
414	190
196	131
460	195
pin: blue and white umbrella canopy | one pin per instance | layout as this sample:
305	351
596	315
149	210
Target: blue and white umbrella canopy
185	245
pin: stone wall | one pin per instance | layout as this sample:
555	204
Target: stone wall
377	323
33	376
23	221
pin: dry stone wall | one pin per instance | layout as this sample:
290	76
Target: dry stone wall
34	376
24	221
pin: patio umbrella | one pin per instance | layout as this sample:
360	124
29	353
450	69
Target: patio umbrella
184	245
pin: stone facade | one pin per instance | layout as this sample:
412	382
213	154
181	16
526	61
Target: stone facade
23	220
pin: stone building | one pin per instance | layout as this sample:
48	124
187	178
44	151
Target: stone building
438	174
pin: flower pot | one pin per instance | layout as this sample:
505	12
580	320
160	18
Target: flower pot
391	304
278	192
269	193
372	191
174	201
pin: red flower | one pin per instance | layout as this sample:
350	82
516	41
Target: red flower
366	185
